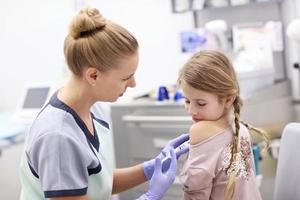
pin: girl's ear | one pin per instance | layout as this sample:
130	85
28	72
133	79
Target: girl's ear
91	74
229	101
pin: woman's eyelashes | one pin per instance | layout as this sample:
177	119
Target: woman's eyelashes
127	78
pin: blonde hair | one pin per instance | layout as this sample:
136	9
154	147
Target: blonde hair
211	71
94	41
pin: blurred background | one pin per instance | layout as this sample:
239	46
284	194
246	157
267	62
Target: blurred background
260	36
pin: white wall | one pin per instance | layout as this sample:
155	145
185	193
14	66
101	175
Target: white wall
31	37
32	34
157	31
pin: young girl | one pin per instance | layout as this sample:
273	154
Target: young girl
220	163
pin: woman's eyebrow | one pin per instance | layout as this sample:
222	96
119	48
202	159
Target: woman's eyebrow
131	75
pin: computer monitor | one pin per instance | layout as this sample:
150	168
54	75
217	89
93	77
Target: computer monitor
35	97
32	101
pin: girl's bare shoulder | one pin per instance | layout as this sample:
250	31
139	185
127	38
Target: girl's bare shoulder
203	130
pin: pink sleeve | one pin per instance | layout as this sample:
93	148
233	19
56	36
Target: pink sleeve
198	171
197	183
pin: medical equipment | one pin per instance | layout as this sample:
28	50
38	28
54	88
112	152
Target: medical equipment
163	93
10	131
34	97
191	41
160	182
287	173
166	160
293	30
219	28
257	157
274	148
177	144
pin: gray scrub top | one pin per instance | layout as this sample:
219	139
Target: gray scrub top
62	158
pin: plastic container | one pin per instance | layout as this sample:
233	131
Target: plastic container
257	158
274	148
163	93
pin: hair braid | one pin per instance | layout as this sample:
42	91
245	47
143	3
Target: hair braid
229	190
262	133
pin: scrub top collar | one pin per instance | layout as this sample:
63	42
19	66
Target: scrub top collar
93	139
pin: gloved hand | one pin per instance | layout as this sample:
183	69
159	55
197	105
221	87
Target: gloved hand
160	182
173	144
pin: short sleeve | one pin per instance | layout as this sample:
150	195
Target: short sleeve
60	164
198	172
196	180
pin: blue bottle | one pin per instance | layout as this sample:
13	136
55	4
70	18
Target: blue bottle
163	93
257	157
177	96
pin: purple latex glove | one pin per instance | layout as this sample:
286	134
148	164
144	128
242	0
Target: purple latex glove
160	182
173	144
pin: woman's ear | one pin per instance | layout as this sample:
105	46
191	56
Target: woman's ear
91	74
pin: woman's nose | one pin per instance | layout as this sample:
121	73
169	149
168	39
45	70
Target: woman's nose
131	82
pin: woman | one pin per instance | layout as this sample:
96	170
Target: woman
68	151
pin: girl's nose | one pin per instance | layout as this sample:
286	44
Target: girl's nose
192	110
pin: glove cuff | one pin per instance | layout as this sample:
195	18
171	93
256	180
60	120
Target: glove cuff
148	167
149	196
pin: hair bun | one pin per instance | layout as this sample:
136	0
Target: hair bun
88	20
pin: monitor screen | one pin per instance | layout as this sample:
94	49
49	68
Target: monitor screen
36	97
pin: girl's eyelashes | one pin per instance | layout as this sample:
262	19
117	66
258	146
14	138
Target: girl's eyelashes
199	104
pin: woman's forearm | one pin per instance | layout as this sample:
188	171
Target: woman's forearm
127	178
